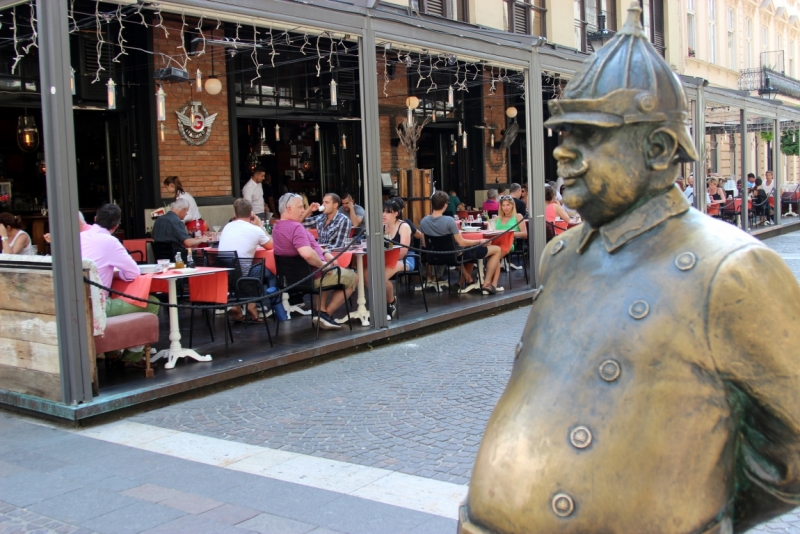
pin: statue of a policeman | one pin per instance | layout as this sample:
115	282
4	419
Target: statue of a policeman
668	400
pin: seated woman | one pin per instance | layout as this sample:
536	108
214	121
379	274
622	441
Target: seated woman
552	208
716	193
14	239
508	218
761	205
399	232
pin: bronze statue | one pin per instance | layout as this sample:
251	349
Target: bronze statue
668	400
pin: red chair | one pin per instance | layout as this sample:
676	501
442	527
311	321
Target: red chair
712	210
561	226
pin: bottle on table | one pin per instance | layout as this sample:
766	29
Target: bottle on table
197	231
178	261
189	259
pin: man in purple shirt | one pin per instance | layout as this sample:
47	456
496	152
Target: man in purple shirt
99	245
290	238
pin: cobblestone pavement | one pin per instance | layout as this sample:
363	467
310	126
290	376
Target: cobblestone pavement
15	520
418	407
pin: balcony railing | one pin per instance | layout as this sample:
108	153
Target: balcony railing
770	79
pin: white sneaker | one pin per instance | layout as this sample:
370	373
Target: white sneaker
515	267
499	289
326	322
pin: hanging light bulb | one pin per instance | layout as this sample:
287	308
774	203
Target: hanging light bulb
433	116
161	127
277	132
198	81
252	161
72	80
464	140
316	132
409	116
161	104
213	85
112	94
549	132
27	134
451	99
455	145
334	99
344	142
491	140
459	129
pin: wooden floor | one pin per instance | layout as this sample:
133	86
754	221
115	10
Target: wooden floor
251	353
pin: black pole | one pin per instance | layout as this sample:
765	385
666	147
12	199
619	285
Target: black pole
62	199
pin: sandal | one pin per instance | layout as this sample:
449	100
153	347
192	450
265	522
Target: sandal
489	290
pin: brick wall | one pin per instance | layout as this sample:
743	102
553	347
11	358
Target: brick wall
205	170
392	111
494	114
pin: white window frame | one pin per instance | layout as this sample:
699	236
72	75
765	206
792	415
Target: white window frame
691	26
731	19
748	26
712	31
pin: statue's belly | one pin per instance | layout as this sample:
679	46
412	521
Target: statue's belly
571	447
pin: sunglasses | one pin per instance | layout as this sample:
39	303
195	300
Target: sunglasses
506	197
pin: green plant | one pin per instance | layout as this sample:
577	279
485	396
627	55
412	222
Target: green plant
767	136
790	143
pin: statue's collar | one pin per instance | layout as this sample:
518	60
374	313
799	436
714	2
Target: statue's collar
623	229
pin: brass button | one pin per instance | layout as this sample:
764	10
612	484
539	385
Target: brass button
557	247
610	370
562	504
685	261
580	437
639	309
519	349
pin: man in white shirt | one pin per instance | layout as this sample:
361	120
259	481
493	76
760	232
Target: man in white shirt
769	184
253	192
244	234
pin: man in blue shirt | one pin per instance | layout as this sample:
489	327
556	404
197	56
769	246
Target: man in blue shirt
332	226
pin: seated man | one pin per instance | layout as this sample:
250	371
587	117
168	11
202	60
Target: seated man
332	227
353	211
244	234
292	239
436	224
106	251
490	204
171	228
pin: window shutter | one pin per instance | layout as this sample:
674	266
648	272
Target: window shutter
658	26
435	7
521	15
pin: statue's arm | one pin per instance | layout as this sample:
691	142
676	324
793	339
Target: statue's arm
753	311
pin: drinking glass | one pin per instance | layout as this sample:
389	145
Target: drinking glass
216	227
163	265
34	249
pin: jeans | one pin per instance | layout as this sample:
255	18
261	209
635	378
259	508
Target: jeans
269	279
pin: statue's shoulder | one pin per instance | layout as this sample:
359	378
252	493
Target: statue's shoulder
714	236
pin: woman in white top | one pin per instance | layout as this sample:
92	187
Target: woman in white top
14	239
173	185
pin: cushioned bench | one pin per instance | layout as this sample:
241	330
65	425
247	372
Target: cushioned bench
129	330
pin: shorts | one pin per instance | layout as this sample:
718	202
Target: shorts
475	254
332	277
409	262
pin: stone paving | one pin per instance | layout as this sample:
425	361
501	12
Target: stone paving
418	407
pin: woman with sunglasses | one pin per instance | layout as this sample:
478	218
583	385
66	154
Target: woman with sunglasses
508	218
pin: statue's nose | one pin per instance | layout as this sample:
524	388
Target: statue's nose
565	155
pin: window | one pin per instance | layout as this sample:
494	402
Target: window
653	22
451	9
691	28
526	16
585	20
791	59
712	31
609	8
764	39
731	39
748	29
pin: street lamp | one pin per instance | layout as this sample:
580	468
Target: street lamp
603	35
767	89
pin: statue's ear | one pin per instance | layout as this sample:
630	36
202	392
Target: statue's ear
660	148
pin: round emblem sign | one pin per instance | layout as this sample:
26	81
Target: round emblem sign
195	126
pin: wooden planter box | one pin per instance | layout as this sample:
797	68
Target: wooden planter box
414	186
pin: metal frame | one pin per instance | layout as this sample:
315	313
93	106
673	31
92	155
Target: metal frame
777	168
62	197
373	189
745	164
534	121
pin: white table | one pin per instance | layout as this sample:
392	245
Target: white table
361	311
175	349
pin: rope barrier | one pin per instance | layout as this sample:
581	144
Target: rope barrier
242	302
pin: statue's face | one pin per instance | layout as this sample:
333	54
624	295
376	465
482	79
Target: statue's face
603	171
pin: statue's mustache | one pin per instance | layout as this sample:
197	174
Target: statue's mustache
567	171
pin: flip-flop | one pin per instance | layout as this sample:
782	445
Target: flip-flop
250	320
489	290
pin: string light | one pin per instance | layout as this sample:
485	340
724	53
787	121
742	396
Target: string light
254	55
35	35
464	140
112	94
451	99
316	133
198	81
460	131
334	98
344	142
100	43
161	104
72	88
120	39
277	132
17	55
